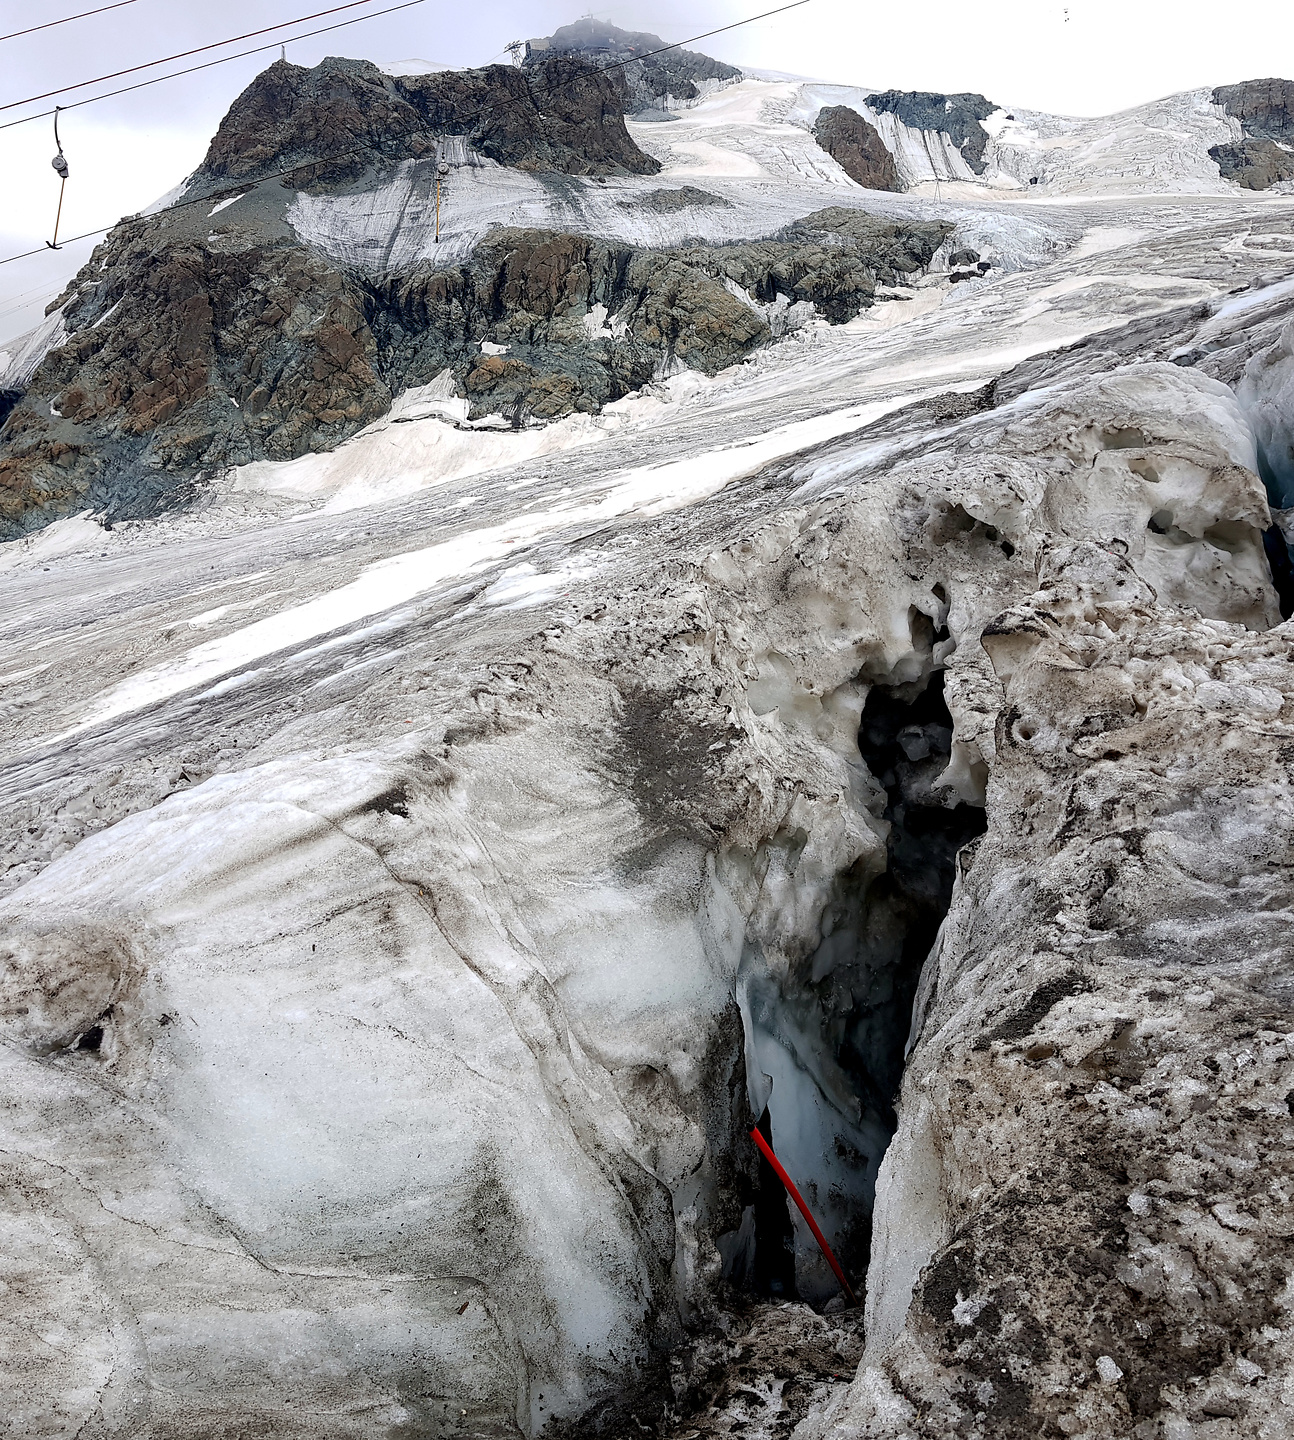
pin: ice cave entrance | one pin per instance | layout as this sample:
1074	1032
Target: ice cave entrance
828	1040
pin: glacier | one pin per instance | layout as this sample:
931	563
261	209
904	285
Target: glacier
428	858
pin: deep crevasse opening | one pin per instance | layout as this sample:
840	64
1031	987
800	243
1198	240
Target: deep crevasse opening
1266	395
825	1042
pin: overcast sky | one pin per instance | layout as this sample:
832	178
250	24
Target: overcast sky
1089	57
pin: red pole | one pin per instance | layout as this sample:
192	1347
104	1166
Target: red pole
767	1151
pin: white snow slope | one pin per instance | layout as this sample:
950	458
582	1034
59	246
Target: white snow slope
750	149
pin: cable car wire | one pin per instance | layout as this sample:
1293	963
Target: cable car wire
183	54
207	64
66	20
347	154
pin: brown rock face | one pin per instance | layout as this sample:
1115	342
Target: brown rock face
338	119
1254	164
856	147
1265	108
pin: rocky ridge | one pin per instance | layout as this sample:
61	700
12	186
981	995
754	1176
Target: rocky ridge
187	356
652	84
332	123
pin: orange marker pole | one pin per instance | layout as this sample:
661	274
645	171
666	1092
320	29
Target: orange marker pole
767	1151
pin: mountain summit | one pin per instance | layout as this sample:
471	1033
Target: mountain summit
657	77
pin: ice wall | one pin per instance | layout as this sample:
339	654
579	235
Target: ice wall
825	1036
1266	390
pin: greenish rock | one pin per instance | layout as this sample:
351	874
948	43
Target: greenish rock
188	355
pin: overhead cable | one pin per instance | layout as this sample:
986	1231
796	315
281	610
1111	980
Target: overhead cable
183	54
207	64
705	35
260	49
347	154
66	20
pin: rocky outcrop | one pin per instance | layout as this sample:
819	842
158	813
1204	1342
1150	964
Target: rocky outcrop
856	147
184	357
187	357
342	118
1254	164
582	322
650	83
837	278
956	116
669	202
1265	108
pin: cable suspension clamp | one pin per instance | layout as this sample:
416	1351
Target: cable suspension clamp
59	162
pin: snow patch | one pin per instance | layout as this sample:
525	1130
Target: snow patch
597	326
1102	238
21	358
413	67
63	537
172	196
645	490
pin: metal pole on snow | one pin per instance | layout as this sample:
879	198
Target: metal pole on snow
442	169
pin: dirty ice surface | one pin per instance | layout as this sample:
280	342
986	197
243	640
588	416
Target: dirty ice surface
285	564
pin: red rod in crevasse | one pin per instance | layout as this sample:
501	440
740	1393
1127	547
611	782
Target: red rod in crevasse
767	1151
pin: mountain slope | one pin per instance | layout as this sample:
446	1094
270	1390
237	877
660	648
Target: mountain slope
433	845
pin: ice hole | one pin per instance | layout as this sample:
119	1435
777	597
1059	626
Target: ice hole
1228	535
1281	564
1125	439
828	1036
